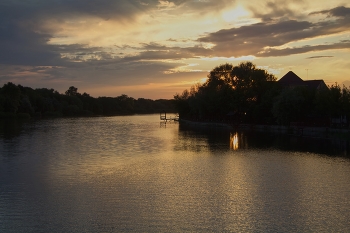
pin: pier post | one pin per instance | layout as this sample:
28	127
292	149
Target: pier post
163	116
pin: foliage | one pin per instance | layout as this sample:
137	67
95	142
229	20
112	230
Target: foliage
72	91
10	97
231	89
288	106
247	94
23	102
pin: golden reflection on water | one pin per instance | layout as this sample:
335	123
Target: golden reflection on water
128	174
234	141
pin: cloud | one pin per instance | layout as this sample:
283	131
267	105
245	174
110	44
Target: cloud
175	52
275	10
252	39
61	9
21	46
49	40
263	39
197	7
340	11
304	49
313	57
26	27
24	41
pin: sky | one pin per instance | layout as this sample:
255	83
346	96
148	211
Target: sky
155	49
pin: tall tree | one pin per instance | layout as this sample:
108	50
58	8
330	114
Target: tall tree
72	91
11	97
228	88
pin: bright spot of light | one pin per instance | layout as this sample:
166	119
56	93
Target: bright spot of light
203	80
234	14
234	141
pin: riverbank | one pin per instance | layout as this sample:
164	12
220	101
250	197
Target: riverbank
320	132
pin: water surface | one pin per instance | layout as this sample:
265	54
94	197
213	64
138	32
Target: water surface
135	174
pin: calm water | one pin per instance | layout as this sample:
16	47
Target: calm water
134	174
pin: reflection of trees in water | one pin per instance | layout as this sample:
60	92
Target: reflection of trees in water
199	138
10	128
332	147
263	140
203	138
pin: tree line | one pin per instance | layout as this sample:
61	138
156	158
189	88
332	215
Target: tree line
23	102
247	94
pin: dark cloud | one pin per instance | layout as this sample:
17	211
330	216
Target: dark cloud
340	11
313	57
105	9
257	39
20	46
24	41
251	39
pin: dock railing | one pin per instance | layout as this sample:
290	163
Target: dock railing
163	117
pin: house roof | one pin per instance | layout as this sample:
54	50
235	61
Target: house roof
314	84
291	79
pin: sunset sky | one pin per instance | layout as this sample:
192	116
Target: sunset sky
155	49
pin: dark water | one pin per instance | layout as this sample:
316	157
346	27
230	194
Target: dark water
134	174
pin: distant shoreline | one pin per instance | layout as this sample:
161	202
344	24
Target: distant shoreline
24	116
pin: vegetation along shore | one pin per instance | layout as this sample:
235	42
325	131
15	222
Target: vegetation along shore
17	101
246	95
232	95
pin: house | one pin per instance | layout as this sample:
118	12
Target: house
292	80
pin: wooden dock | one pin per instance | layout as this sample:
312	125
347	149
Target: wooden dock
165	118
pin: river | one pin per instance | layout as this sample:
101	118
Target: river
136	174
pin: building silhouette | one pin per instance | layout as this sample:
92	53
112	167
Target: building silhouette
292	80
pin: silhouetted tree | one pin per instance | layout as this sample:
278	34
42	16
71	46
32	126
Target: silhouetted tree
182	103
237	89
72	91
10	97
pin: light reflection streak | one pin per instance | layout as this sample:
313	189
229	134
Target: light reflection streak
234	141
